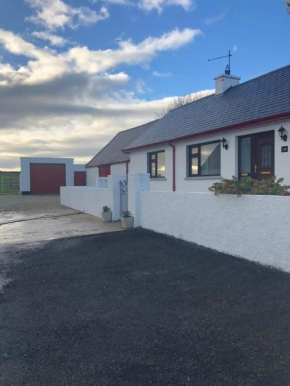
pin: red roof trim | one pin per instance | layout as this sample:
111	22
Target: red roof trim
233	127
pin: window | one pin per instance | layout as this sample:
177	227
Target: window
205	159
156	164
104	171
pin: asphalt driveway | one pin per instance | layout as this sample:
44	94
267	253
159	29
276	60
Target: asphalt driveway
137	308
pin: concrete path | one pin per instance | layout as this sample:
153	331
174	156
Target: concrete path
30	219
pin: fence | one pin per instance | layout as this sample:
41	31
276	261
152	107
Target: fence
9	183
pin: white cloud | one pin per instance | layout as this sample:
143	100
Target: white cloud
235	48
159	5
128	52
72	103
47	64
161	74
55	14
53	39
215	19
150	5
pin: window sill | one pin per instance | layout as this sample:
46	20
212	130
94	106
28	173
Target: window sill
158	179
203	178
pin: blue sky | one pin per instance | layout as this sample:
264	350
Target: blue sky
73	73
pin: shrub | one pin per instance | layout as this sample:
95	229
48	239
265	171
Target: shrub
127	213
269	186
106	208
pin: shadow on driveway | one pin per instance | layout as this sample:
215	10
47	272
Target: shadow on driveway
138	308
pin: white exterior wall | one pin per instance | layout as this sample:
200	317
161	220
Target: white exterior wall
252	227
79	168
25	170
118	169
229	160
139	164
92	175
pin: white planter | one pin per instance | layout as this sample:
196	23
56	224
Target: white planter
107	216
127	222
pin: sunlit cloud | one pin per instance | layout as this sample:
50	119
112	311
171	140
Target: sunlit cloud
72	103
56	14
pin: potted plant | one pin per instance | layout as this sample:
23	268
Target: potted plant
106	214
127	219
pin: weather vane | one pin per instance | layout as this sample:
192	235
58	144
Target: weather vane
228	67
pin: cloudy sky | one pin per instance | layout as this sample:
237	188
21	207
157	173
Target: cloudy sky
75	72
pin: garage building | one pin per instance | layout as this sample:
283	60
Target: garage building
47	175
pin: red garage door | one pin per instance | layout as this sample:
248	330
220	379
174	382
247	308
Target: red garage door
46	178
80	178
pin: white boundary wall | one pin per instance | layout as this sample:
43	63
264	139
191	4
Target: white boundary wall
85	199
256	228
91	200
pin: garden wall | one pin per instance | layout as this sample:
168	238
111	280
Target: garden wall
91	199
256	228
85	199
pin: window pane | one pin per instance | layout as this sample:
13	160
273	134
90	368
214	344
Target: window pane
194	150
266	154
210	159
153	169
246	155
194	166
153	156
161	164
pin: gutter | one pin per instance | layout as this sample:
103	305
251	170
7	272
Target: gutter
173	166
233	127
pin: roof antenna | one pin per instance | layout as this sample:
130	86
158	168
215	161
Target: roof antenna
228	67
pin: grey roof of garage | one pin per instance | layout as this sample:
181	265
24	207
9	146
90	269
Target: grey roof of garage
258	98
112	153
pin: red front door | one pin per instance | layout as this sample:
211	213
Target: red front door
80	178
47	178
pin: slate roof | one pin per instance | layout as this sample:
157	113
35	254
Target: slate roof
112	152
260	97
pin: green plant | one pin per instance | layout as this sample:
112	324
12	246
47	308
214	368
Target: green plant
269	186
106	209
127	213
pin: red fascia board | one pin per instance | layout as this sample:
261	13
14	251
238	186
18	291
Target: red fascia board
233	127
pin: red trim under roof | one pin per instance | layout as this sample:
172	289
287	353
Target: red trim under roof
112	163
233	127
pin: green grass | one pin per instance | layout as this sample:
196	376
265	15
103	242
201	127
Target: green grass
9	183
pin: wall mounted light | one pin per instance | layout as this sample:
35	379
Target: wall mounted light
282	134
225	144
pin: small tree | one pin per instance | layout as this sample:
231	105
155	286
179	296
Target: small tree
180	101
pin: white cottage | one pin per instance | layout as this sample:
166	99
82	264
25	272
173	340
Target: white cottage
111	160
241	130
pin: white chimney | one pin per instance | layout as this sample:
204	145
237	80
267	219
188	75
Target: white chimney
224	81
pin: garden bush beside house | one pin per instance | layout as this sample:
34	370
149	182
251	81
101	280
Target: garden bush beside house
270	186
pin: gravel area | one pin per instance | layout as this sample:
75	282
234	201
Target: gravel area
137	309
